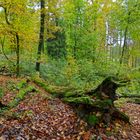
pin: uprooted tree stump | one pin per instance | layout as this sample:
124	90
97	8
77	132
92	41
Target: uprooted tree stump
97	105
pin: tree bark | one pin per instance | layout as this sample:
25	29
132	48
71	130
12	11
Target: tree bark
41	36
17	53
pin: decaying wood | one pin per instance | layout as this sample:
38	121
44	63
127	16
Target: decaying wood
100	100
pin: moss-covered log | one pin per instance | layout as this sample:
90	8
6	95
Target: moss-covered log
98	100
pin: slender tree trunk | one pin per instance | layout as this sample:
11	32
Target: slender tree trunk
41	36
124	45
17	42
17	53
3	51
125	49
75	44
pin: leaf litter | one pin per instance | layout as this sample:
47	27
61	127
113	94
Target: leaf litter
40	117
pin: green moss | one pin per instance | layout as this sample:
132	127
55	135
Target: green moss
20	96
77	100
92	119
21	84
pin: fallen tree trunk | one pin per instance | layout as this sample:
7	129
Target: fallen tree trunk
97	105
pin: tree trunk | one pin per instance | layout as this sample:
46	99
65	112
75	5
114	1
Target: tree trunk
17	53
41	37
125	48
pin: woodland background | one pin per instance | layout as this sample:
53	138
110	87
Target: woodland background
54	53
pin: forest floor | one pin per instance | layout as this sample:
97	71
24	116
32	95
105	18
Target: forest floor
40	117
